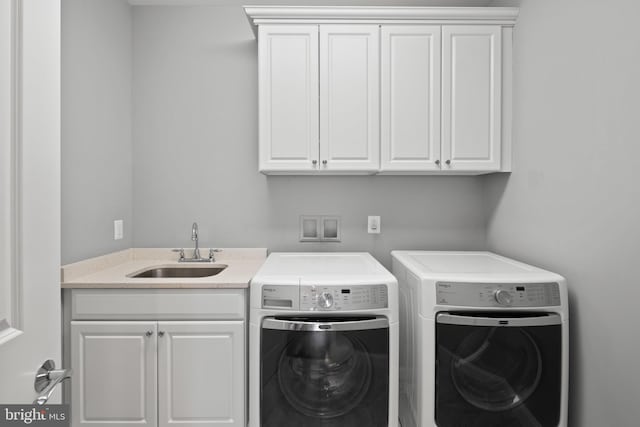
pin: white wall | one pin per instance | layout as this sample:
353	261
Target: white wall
195	155
573	201
96	126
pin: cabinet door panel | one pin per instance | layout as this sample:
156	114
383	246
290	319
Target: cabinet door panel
349	97
471	97
288	58
201	374
410	139
114	374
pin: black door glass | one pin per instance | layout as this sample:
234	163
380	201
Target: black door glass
496	369
324	375
325	379
498	376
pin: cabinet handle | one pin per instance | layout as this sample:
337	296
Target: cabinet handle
324	162
438	162
160	333
315	162
448	162
148	333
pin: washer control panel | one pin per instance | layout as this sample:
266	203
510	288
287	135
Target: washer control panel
498	294
324	298
337	298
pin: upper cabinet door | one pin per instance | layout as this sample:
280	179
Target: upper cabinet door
349	97
471	97
410	139
288	85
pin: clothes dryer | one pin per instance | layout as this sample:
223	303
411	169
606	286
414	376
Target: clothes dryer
483	341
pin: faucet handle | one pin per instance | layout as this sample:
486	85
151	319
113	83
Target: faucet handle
181	250
212	253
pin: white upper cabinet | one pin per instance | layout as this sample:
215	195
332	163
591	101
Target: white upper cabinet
410	125
349	98
394	90
471	97
288	62
319	98
465	99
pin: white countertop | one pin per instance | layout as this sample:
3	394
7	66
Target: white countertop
112	270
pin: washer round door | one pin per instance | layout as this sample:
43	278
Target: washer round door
325	372
324	375
498	369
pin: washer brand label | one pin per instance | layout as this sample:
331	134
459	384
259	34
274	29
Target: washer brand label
34	415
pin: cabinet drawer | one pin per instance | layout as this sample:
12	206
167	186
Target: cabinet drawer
157	304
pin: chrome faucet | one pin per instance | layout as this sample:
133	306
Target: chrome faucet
196	250
194	237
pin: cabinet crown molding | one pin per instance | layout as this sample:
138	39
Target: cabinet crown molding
381	14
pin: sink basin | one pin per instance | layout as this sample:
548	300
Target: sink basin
187	271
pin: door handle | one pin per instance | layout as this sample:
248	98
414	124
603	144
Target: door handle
47	378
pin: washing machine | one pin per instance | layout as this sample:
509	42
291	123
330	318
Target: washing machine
323	342
483	341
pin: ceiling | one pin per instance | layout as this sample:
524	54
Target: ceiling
443	3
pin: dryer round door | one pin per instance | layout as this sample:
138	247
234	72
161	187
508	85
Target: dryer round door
498	369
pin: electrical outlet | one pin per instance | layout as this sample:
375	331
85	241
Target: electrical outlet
373	225
118	229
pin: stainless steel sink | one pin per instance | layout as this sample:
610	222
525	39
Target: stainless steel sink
179	271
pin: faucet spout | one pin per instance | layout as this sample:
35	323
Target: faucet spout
194	237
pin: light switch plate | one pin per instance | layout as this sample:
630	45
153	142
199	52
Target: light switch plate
118	229
373	225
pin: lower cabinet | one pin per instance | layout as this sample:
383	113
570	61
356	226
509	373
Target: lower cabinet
114	379
201	373
158	373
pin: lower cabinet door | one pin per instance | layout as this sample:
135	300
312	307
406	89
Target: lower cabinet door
201	379
114	374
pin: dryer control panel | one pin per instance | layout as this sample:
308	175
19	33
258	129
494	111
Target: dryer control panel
498	294
325	298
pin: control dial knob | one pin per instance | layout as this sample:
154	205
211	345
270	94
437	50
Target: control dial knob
503	297
325	300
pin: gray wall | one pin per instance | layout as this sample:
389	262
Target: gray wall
195	155
573	201
569	205
96	126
